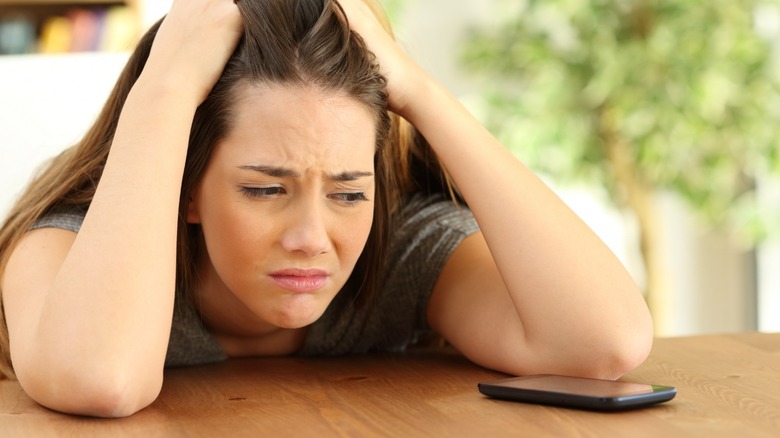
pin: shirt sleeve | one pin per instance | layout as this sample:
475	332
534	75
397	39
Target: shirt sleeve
64	221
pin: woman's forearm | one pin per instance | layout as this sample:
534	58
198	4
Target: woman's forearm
563	280
109	308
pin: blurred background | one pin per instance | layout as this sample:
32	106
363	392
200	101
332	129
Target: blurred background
653	119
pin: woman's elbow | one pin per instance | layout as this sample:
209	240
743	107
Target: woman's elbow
628	357
99	394
115	400
620	351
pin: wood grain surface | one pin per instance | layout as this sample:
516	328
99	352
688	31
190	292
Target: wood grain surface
728	385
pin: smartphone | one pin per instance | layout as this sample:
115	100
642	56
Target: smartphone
577	392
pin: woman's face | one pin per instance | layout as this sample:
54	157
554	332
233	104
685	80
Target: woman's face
285	204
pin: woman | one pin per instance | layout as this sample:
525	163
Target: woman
246	191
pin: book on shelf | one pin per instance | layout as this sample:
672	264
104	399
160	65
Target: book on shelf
80	29
17	34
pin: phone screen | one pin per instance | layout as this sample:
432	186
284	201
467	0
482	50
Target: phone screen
577	392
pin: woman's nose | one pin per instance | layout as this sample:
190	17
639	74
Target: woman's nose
306	232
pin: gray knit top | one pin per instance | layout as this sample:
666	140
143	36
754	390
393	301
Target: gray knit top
430	230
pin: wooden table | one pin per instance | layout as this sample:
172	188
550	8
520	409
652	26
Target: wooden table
729	385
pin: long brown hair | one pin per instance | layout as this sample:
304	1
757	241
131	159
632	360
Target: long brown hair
285	42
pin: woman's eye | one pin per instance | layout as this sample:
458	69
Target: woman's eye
350	198
262	192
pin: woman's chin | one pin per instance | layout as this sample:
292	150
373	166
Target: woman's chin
295	318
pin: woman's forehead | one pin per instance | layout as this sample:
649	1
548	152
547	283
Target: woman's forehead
299	106
299	124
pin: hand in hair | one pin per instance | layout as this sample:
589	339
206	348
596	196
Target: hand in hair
193	44
403	75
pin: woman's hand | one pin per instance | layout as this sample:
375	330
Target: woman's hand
193	44
404	76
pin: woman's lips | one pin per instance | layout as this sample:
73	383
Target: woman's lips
300	280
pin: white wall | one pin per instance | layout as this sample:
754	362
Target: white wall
46	104
153	10
712	278
769	259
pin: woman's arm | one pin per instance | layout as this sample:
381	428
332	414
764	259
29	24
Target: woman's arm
536	291
89	315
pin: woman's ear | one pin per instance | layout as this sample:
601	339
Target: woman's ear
193	210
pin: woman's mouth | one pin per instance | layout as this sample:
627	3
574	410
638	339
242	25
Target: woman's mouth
300	280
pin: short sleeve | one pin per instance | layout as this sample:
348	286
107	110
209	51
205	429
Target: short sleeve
66	221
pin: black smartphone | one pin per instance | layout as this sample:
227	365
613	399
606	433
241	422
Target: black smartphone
577	392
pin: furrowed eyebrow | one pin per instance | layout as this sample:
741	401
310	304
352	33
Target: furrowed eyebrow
349	176
281	172
277	172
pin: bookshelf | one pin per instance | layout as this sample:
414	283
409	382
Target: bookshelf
67	26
